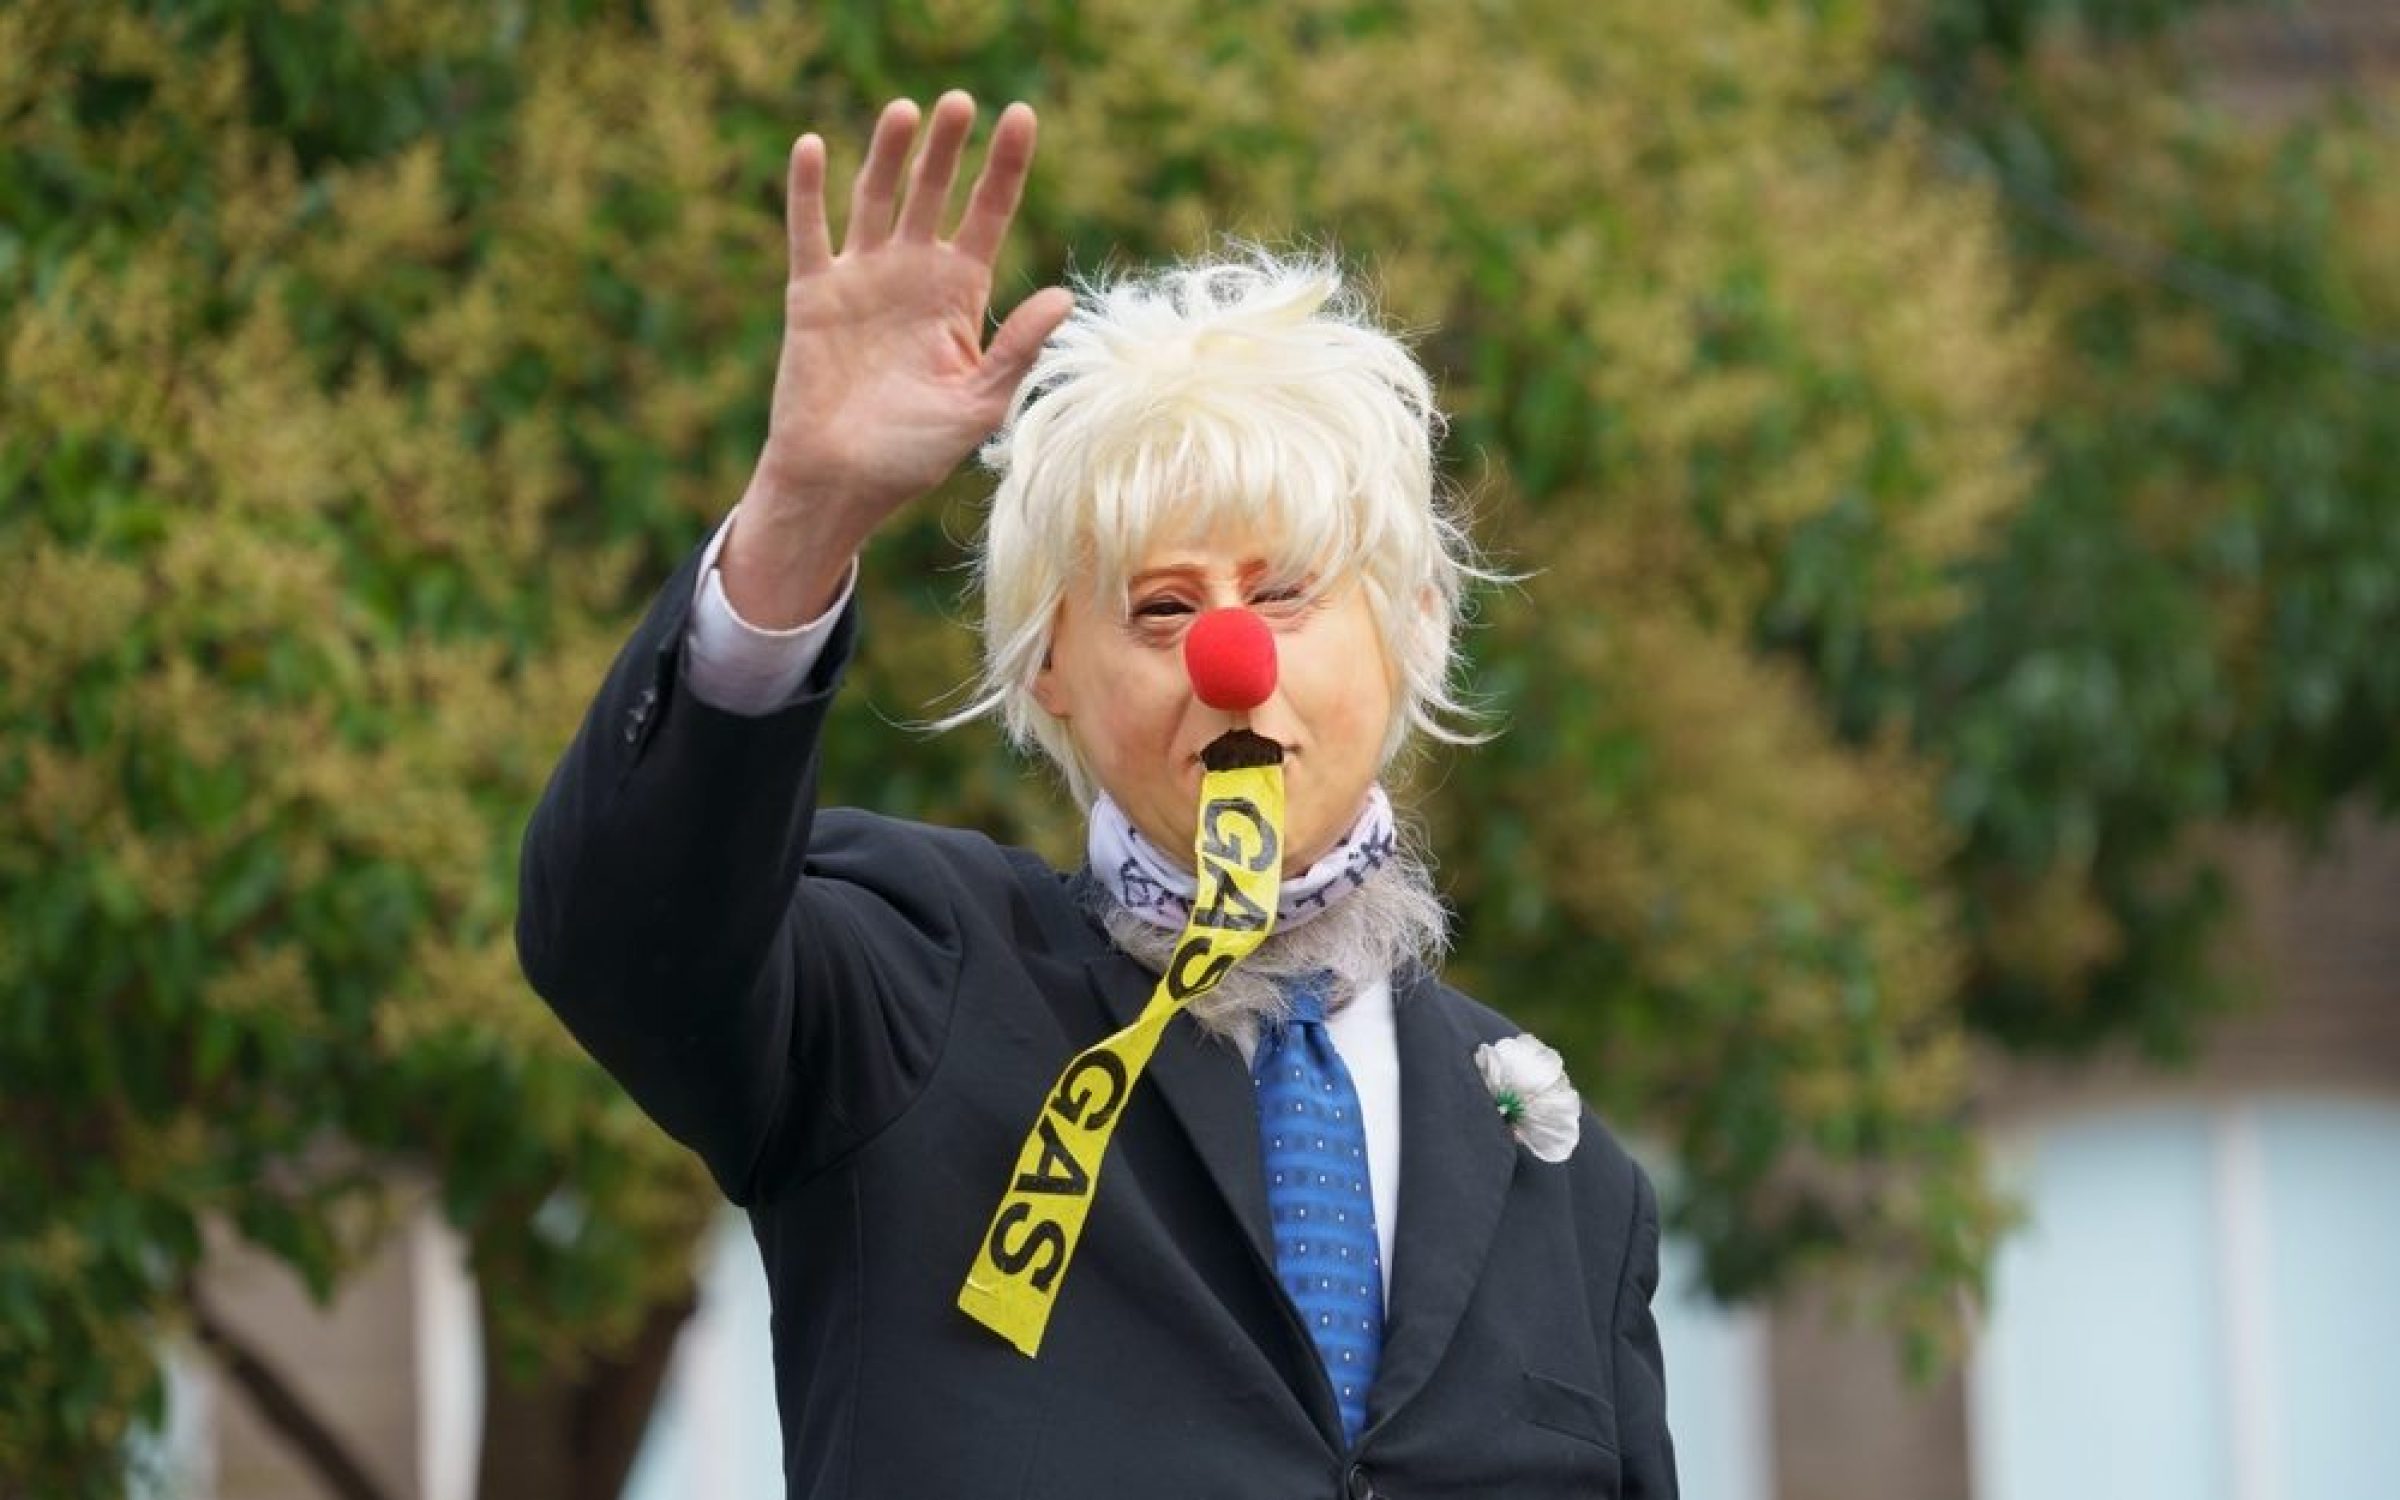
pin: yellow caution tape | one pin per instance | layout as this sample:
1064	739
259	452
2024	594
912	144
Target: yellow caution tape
1022	1264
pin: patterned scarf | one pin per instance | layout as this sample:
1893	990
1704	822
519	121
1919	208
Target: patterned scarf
1159	890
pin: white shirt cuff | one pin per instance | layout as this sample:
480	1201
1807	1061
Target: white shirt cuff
733	665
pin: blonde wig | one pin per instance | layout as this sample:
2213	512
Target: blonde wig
1253	393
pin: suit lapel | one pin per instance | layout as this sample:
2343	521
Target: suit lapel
1204	1087
1457	1160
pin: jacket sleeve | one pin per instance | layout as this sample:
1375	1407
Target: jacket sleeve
770	1003
1646	1451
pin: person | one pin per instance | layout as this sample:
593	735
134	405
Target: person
853	1019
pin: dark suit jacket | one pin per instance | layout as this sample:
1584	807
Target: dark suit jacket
855	1019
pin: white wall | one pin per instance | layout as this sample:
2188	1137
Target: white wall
2204	1306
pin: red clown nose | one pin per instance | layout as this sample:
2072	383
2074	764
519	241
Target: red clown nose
1230	655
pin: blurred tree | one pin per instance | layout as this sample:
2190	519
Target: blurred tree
1944	38
1906	589
361	364
2187	624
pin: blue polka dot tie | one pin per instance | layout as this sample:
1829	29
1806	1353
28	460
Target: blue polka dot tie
1316	1160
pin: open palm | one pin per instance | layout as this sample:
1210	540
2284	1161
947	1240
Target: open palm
885	382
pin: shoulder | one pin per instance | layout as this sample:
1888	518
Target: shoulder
852	832
925	863
852	839
1465	1010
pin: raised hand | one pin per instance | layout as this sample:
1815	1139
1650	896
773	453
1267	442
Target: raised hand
885	381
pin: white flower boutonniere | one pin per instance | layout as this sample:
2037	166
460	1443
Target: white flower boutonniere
1529	1086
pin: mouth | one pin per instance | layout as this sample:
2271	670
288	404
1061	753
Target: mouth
1198	759
1240	749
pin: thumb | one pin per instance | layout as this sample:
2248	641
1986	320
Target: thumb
1019	342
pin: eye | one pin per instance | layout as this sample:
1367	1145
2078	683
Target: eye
1281	599
1164	607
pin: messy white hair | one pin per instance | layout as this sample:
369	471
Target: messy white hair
1252	392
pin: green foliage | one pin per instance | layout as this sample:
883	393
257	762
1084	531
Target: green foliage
1904	591
1952	36
358	364
2189	622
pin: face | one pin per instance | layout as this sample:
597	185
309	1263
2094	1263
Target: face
1118	683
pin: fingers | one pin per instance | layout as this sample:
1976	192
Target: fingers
1020	339
878	185
937	167
1001	184
879	212
804	208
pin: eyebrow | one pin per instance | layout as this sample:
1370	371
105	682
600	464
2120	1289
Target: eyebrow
1250	569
